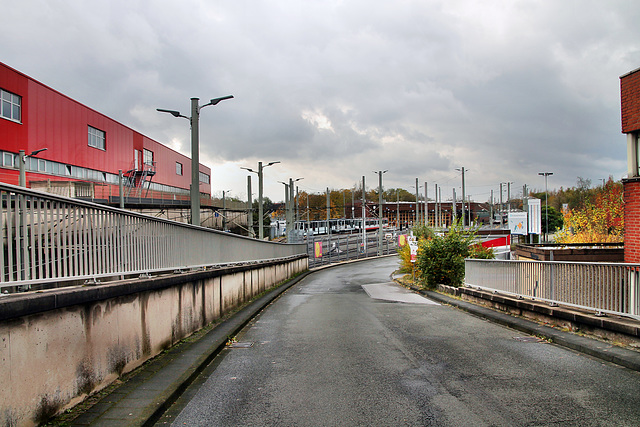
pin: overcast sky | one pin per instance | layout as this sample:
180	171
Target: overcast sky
335	90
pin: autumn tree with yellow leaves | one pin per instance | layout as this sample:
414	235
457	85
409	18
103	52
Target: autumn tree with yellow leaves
599	219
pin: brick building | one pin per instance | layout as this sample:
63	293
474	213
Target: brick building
630	109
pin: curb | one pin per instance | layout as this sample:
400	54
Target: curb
143	399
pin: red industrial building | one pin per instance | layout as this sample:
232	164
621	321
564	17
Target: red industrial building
85	150
630	103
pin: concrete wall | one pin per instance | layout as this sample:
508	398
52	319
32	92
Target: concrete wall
58	346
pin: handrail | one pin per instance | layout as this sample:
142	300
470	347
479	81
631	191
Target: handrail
46	237
600	287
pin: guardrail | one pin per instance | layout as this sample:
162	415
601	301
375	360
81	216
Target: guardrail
601	287
47	238
332	249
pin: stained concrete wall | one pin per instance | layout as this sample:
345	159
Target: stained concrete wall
58	346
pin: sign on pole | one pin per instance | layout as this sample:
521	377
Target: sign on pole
518	223
413	246
535	216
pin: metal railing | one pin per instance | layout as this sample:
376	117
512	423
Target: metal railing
324	250
601	287
47	238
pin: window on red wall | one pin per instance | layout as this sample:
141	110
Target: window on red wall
10	106
147	157
97	138
178	168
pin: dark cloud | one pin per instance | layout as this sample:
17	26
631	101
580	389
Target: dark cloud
338	89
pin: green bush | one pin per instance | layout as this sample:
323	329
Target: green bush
441	259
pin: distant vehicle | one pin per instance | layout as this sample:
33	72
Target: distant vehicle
337	226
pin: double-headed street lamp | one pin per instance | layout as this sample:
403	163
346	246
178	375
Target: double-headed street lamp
224	209
260	209
380	209
195	151
546	203
462	169
289	203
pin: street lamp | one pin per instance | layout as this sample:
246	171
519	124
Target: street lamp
417	220
195	151
224	210
286	209
22	178
292	207
546	203
462	169
260	187
380	210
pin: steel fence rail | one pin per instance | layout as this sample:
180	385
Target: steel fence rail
332	249
601	287
49	238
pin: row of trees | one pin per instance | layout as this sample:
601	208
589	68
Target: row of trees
589	215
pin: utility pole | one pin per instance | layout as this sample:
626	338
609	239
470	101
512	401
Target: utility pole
260	188
364	221
224	210
491	217
417	204
380	210
464	197
249	208
454	205
501	205
435	214
546	203
426	204
397	209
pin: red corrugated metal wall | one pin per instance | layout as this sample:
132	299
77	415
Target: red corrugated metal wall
57	122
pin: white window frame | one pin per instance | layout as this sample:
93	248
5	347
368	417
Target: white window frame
97	138
10	106
179	169
204	178
147	157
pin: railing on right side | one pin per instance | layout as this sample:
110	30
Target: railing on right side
601	287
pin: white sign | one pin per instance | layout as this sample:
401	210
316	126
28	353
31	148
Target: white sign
535	216
518	223
413	246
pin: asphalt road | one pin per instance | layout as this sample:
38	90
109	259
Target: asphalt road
330	352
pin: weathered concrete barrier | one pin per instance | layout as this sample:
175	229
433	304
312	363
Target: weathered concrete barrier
58	346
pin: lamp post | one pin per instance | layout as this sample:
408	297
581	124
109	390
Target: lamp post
417	220
292	203
195	150
286	209
398	227
291	207
462	169
224	210
546	203
22	179
249	209
380	210
260	187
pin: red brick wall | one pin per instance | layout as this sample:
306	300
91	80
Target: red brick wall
632	220
630	101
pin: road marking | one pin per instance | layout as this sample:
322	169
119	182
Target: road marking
393	292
